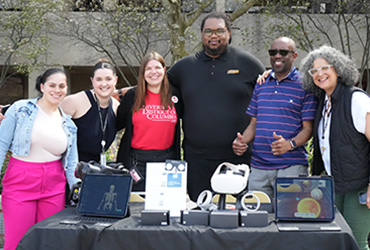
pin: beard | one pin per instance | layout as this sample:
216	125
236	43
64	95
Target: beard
215	51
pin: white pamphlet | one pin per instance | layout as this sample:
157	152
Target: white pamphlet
166	186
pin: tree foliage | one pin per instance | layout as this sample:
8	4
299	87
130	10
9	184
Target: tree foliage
179	23
127	30
181	15
124	32
344	26
22	29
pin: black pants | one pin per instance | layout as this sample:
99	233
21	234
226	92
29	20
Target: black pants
139	158
201	170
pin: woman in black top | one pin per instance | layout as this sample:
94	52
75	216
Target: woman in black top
150	117
341	133
94	113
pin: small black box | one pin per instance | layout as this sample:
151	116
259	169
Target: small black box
253	219
155	217
194	217
263	206
224	219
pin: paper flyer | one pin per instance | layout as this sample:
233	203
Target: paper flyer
166	186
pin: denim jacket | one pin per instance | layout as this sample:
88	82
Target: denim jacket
16	130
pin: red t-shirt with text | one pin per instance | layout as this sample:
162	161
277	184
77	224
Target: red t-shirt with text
154	127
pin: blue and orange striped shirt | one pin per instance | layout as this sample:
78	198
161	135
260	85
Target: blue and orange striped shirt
280	107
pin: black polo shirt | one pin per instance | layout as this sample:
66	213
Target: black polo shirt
215	93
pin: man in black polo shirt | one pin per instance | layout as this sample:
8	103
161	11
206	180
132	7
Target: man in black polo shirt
215	86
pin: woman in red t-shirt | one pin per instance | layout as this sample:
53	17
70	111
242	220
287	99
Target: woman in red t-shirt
150	118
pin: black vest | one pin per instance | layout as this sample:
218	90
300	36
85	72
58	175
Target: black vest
349	149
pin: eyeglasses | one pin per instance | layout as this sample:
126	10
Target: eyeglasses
282	52
218	32
323	69
178	168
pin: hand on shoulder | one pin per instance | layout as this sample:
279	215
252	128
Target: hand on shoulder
119	93
1	117
262	78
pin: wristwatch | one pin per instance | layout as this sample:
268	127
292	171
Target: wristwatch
120	93
293	144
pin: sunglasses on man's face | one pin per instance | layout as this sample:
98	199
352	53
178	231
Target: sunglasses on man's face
282	52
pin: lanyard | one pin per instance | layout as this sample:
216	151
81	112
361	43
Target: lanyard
103	126
326	115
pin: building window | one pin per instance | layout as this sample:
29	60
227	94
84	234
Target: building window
88	5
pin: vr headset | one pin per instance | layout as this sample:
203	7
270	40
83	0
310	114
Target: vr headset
93	167
229	178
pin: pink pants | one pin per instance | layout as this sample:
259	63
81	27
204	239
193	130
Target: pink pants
31	193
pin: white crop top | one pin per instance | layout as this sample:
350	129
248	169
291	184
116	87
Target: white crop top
48	139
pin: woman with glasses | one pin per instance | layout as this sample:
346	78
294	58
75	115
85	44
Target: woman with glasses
148	114
341	133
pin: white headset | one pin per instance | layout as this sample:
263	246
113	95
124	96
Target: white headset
204	201
250	208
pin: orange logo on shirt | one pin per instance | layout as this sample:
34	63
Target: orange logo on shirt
232	71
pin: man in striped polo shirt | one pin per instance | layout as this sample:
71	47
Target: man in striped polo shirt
282	117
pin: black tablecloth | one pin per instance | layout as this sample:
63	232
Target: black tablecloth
130	234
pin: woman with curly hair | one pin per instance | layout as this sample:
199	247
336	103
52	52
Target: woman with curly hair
341	133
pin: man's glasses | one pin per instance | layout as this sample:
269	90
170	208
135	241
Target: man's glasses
218	32
323	69
282	52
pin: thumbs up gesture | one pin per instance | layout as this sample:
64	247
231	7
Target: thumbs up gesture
280	146
239	147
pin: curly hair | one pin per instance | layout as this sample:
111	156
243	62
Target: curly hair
346	69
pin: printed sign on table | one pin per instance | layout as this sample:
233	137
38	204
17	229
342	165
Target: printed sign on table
166	186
